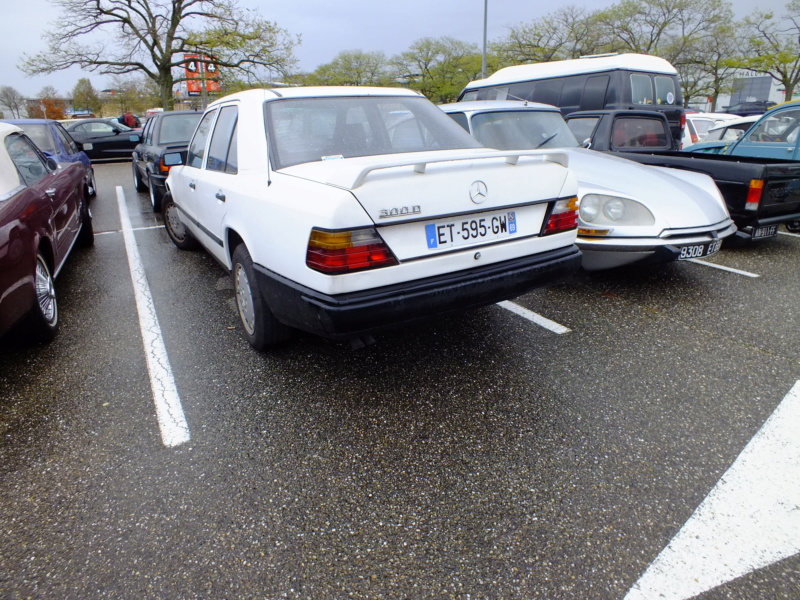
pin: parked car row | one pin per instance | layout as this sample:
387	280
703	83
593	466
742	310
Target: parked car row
347	211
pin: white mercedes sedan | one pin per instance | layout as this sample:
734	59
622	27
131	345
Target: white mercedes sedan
346	211
629	213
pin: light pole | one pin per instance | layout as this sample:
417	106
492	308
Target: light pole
483	56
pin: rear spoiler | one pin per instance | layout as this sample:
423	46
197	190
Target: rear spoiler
351	178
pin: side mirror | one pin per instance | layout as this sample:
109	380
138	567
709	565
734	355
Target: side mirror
51	163
172	159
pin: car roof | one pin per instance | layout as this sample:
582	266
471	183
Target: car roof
736	121
494	105
578	66
332	91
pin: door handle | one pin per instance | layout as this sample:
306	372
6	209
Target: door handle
191	184
220	196
50	192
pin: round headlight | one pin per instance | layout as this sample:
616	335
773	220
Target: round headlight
589	207
614	209
599	209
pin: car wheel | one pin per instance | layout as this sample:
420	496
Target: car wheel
91	184
137	178
261	328
86	233
793	226
42	320
175	228
155	195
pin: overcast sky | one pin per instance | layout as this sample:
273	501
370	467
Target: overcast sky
326	27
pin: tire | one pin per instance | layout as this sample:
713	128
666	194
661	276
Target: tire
793	226
91	184
261	328
155	194
137	178
176	230
86	233
42	320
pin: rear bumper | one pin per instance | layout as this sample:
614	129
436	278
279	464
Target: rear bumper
348	316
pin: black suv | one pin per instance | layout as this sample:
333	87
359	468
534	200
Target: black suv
745	109
168	131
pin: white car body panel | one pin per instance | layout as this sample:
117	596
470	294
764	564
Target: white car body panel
685	205
273	211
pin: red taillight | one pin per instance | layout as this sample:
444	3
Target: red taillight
337	252
754	194
564	216
683	121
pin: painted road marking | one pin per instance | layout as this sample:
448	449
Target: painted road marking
789	233
532	316
171	420
751	519
132	229
715	266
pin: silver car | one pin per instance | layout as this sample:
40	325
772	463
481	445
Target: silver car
629	213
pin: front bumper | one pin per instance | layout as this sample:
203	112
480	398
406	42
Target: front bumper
348	316
608	252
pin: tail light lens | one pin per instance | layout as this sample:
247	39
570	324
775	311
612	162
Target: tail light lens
162	167
564	216
754	194
338	252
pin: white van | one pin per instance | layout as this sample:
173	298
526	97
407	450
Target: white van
607	81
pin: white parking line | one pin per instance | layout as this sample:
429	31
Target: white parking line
790	234
748	521
132	229
171	420
721	268
532	316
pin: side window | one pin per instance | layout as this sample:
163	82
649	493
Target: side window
780	128
29	163
582	127
223	142
665	90
571	94
641	89
461	119
197	147
594	93
68	142
548	91
147	134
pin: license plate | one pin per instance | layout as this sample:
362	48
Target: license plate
471	230
700	250
766	231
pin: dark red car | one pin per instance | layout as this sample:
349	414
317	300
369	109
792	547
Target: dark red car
44	212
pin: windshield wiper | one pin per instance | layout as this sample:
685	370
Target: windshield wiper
547	139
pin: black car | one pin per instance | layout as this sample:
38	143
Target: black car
168	131
745	109
104	138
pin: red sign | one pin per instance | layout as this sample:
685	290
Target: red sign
200	70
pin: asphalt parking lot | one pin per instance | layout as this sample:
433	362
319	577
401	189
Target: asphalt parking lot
634	437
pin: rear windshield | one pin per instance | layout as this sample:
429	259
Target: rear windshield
522	130
178	128
304	130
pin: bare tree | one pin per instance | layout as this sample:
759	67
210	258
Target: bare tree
151	37
12	100
772	47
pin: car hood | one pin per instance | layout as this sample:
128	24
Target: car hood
413	186
677	198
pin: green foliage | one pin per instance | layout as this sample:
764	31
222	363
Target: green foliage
85	98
